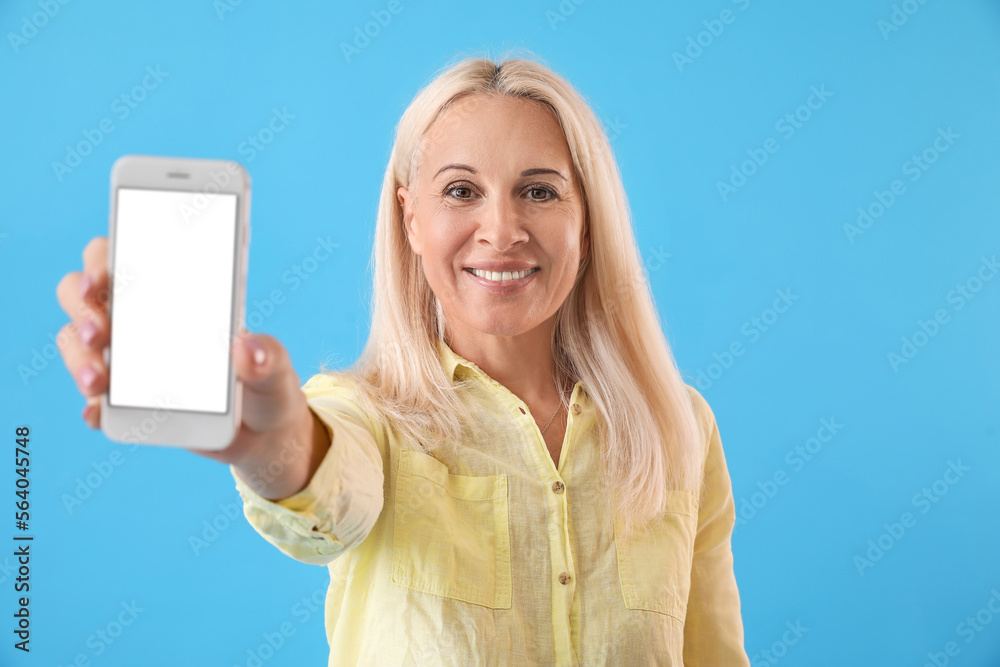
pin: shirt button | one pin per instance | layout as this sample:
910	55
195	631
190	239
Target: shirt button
576	408
558	487
564	578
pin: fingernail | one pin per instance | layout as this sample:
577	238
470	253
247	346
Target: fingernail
256	351
87	411
84	286
87	332
88	376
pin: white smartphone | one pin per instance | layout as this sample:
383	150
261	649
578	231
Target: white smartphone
177	262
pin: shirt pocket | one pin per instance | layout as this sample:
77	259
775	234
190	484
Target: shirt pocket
451	535
655	566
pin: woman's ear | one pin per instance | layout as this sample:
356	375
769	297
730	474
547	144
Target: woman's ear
412	234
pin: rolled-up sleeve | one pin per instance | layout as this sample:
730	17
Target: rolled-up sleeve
343	500
713	628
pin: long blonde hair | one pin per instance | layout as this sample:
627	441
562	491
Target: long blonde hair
607	332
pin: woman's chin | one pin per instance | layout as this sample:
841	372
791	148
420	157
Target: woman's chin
500	324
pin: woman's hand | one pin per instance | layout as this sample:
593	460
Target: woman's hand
279	443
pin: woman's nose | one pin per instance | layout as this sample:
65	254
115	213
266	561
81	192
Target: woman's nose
501	225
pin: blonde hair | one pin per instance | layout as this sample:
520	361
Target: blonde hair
607	332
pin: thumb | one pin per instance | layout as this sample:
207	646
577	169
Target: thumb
261	362
272	398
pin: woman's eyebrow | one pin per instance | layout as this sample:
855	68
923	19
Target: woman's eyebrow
526	172
535	172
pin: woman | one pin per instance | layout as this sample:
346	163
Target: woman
514	471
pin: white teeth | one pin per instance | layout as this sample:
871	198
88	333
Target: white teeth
497	276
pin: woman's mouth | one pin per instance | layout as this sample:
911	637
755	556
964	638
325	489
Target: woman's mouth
502	282
501	276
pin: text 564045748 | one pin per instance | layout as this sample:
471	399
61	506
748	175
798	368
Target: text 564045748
22	542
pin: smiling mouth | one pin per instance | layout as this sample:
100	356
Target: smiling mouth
501	276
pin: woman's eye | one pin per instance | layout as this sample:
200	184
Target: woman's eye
464	192
537	193
541	194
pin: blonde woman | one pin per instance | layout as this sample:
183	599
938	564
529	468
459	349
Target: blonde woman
514	471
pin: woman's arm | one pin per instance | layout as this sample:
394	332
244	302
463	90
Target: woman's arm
294	475
341	494
713	628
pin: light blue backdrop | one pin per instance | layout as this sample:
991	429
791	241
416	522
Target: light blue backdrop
850	356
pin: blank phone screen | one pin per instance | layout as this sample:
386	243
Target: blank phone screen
172	300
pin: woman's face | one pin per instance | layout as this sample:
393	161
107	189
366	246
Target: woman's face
496	191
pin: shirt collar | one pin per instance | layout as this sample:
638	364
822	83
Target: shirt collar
452	362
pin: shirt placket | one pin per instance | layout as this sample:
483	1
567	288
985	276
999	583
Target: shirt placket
563	583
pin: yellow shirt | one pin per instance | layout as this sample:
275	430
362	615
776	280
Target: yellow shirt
490	554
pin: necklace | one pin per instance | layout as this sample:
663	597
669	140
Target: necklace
558	407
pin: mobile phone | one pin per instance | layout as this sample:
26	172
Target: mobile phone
179	233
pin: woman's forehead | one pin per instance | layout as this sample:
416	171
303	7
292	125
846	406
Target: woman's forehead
478	110
492	128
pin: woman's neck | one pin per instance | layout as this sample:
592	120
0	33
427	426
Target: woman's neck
522	363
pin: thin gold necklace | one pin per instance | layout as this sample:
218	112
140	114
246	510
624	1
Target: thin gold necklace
558	408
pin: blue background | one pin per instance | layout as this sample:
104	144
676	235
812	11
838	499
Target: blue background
714	262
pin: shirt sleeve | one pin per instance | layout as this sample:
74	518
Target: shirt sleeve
713	628
341	503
